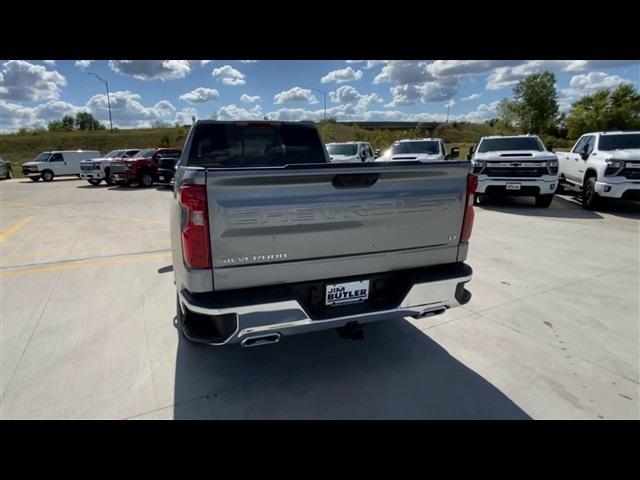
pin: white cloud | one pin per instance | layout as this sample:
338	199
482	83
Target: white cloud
82	64
24	81
228	75
200	95
249	99
404	72
15	116
473	96
49	62
155	69
127	110
370	63
248	61
347	95
233	112
585	84
441	68
295	94
185	116
481	113
342	75
596	80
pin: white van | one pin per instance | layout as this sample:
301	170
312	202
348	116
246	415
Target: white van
57	163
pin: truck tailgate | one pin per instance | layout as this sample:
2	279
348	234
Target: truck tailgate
281	225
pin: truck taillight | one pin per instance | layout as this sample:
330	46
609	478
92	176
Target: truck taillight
467	222
195	226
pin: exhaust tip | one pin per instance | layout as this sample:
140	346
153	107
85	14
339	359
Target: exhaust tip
261	340
431	313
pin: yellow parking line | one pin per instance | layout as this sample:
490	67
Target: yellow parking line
15	228
118	217
83	263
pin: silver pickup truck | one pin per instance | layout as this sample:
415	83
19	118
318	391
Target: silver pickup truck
270	239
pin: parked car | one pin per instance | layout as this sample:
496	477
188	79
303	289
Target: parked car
5	168
58	163
98	169
421	149
350	152
274	241
141	169
603	165
167	167
517	165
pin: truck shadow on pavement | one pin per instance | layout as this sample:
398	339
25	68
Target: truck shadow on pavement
396	372
560	208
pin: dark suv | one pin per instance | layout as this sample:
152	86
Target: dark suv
167	167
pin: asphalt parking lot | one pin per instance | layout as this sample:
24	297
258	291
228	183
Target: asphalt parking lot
88	303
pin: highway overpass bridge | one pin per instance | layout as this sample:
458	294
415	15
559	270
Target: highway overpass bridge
426	127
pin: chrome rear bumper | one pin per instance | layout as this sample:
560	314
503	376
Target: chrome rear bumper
288	317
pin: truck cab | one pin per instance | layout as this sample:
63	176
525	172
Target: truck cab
420	149
350	152
518	165
603	165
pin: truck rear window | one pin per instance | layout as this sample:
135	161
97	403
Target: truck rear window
254	145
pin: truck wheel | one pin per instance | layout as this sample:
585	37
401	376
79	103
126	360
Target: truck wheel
47	175
9	174
107	177
590	199
34	179
543	201
95	182
146	180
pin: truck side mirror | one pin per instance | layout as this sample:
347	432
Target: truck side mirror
455	152
585	152
471	151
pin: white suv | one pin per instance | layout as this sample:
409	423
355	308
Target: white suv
603	164
421	149
348	152
517	165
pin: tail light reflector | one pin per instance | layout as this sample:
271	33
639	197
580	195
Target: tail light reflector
467	222
196	249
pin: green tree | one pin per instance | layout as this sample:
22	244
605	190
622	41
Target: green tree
66	124
617	109
161	124
534	108
86	121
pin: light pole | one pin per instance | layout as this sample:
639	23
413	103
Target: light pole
108	101
324	94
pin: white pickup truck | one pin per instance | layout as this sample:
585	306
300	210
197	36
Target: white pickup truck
603	164
97	169
518	165
420	149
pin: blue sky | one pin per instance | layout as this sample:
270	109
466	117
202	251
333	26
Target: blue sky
34	92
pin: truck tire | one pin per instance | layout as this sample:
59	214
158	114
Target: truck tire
543	201
590	199
146	180
9	173
107	177
47	175
95	181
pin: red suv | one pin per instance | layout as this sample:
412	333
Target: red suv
141	169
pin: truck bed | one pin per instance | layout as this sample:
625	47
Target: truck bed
271	226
